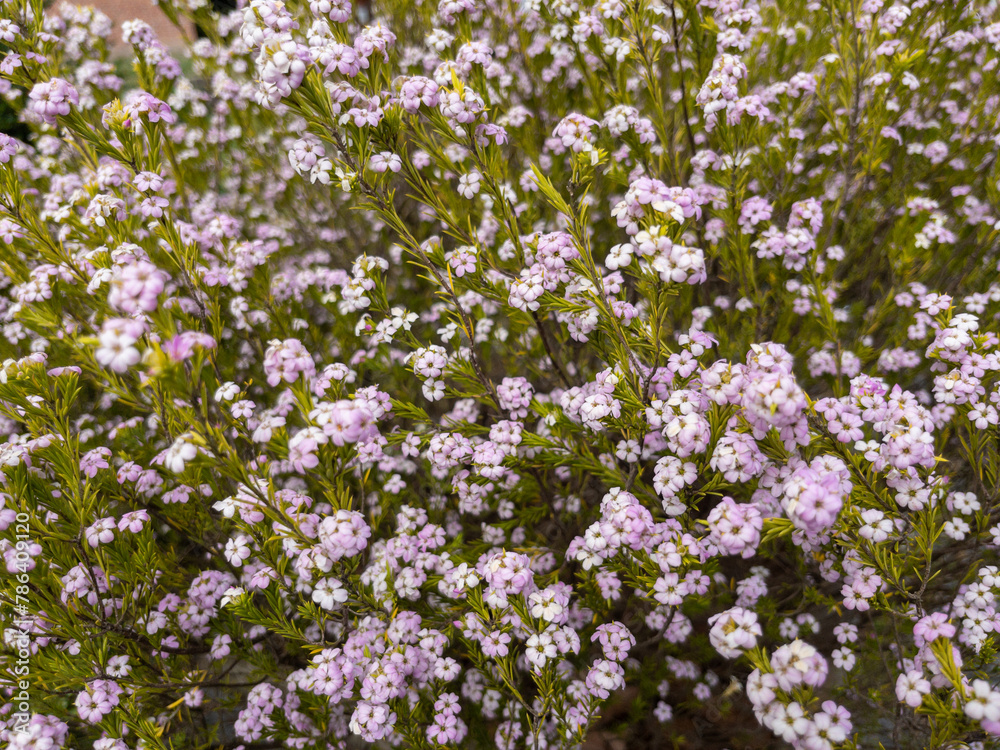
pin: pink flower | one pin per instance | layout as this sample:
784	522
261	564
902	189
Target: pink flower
286	361
935	625
134	521
94	460
53	98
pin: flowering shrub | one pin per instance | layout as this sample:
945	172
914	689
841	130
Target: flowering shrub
502	374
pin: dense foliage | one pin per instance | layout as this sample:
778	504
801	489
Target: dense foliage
502	374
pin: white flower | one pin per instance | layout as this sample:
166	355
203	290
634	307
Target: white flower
540	648
238	550
433	390
116	350
232	594
227	506
468	184
346	179
844	658
320	172
619	256
11	454
328	593
544	605
179	454
227	391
